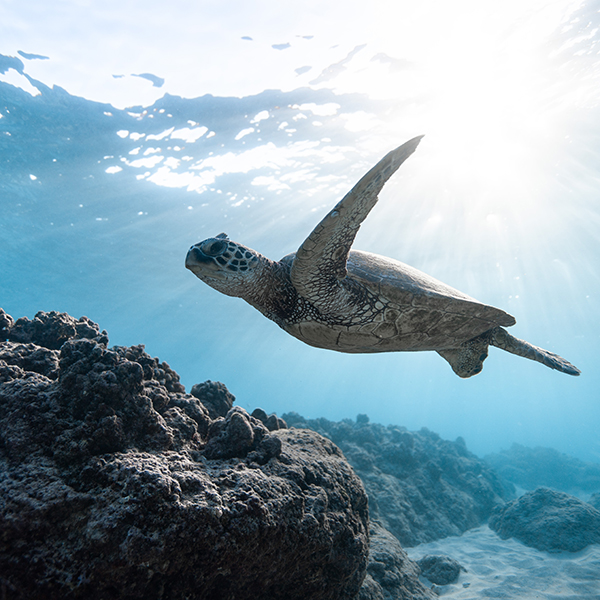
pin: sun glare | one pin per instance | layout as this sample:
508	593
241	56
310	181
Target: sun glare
478	80
488	87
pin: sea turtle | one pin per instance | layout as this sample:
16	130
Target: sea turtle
330	296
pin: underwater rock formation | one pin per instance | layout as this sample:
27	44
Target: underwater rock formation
439	569
421	488
548	520
115	483
594	500
530	468
391	575
215	397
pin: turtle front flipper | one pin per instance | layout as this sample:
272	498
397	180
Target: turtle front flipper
500	338
321	260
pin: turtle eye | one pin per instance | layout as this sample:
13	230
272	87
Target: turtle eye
214	247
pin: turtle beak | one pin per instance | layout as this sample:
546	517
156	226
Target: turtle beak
195	257
202	265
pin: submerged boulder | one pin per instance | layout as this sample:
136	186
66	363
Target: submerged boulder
548	520
115	483
439	568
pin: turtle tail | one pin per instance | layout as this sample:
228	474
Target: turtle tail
500	338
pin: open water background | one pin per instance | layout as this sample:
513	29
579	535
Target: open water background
112	164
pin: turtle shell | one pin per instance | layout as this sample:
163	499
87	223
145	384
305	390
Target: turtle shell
420	312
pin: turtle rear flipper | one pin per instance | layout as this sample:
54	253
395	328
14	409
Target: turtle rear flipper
467	359
500	338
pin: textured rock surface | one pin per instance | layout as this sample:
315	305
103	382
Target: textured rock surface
548	520
594	500
391	574
215	397
439	569
421	488
534	467
114	483
50	330
272	422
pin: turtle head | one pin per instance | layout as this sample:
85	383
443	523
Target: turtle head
226	266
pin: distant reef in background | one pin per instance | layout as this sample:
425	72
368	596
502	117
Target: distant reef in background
530	468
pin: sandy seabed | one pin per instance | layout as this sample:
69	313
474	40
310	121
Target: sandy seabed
507	569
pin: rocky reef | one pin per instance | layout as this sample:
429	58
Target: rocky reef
421	488
115	483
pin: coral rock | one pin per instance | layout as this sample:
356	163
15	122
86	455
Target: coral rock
115	483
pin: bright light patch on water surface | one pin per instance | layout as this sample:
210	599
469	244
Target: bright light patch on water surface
189	135
261	116
475	77
244	133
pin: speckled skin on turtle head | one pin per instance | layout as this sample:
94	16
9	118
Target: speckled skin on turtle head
332	297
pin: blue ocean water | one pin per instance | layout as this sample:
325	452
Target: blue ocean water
100	205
